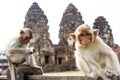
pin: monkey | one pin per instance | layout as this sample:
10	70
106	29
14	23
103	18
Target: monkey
17	51
92	55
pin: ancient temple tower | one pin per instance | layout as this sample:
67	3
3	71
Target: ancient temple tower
59	57
70	21
104	30
106	34
37	21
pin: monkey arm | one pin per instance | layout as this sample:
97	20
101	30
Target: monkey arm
81	63
17	49
111	58
94	65
97	68
15	46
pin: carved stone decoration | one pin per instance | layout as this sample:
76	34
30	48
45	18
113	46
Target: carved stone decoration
104	30
37	21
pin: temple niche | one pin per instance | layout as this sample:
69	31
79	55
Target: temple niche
37	21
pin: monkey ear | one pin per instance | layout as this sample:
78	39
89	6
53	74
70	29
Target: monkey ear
21	32
73	36
96	32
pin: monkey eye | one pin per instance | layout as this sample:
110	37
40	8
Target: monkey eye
27	38
86	34
81	35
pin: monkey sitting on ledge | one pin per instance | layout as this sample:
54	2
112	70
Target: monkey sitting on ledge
17	51
93	56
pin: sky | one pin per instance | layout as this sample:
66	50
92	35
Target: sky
12	15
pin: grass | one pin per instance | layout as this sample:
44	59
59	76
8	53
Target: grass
68	73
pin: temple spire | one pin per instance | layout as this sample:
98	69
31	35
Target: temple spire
105	32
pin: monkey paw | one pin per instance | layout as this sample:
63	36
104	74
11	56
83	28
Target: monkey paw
113	75
31	50
38	69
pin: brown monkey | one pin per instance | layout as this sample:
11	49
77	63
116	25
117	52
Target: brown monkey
92	55
18	52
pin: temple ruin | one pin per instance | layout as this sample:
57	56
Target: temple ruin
60	57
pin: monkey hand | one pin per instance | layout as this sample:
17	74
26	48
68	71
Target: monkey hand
113	75
31	50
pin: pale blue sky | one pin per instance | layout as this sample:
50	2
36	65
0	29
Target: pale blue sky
12	15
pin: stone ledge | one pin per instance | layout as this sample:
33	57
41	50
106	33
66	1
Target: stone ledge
3	77
42	77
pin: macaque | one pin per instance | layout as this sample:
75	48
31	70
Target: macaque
18	52
92	55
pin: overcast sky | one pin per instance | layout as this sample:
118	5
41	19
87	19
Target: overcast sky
12	15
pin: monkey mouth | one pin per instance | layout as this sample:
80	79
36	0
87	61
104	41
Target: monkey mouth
85	41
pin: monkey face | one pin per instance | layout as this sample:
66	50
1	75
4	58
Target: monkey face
85	38
25	35
26	40
84	35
